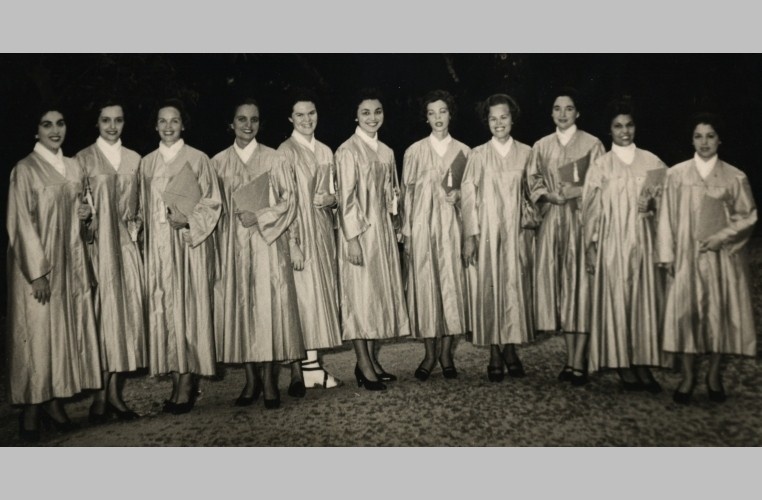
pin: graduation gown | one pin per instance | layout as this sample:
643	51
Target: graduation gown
257	317
179	275
708	305
562	296
435	280
52	349
116	260
372	297
628	288
317	287
491	200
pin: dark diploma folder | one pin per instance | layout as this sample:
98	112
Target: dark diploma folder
253	196
573	175
183	191
457	168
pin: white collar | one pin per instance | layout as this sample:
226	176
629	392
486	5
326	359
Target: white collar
169	152
113	152
304	142
625	153
566	135
370	141
54	159
502	149
704	167
245	153
440	146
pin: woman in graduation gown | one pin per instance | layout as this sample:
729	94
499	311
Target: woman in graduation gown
52	342
257	317
562	296
314	248
619	227
435	281
708	309
112	175
179	257
494	241
370	283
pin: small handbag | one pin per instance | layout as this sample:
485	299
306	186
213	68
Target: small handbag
530	214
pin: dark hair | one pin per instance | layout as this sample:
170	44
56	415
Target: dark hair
245	101
300	94
176	103
620	106
495	100
43	108
368	94
106	103
712	119
439	95
569	92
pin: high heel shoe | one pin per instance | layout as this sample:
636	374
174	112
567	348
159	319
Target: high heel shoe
495	373
371	385
96	418
579	378
448	372
422	374
385	377
124	415
566	374
716	396
48	421
27	435
515	369
273	404
249	400
297	389
683	398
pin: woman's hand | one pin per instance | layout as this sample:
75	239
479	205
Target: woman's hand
453	197
246	218
324	200
176	219
84	212
470	251
41	290
711	244
297	257
555	198
644	203
355	252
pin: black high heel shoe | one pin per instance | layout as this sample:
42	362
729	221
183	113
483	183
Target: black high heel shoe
495	373
579	378
515	369
716	396
371	385
27	435
249	400
566	374
96	418
124	415
422	374
385	377
297	389
48	421
273	404
448	372
181	408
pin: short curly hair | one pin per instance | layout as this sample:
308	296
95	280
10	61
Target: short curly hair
495	100
439	95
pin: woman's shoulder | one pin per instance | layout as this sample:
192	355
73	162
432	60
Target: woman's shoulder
587	140
461	146
732	171
417	146
650	158
545	141
130	154
195	154
222	155
87	152
25	165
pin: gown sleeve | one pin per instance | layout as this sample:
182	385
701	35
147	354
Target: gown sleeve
743	216
409	175
352	215
207	211
591	202
469	191
280	217
24	240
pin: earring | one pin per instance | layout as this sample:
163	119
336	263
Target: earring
36	136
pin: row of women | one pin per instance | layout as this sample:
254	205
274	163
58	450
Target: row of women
108	274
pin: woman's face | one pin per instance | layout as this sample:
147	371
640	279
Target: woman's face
304	117
565	113
169	124
705	141
245	124
370	116
438	116
623	130
111	123
500	122
51	130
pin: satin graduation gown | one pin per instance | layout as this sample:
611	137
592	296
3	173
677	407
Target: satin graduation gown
435	281
116	260
52	349
562	296
179	275
317	284
257	317
372	297
628	287
491	200
709	305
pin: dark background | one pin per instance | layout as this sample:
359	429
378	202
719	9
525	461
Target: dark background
667	88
